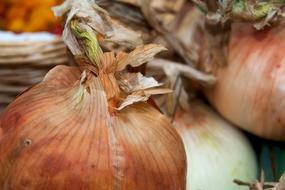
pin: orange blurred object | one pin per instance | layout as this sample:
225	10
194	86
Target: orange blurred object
29	16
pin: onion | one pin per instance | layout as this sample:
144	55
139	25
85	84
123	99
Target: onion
91	127
61	135
217	152
250	90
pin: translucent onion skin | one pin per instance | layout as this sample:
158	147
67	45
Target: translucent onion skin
60	135
218	153
250	90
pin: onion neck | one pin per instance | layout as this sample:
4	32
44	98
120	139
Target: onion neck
88	41
111	88
93	63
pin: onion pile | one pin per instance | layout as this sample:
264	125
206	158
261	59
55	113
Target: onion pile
250	90
216	151
91	127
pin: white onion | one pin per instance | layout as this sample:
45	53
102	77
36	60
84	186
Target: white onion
216	152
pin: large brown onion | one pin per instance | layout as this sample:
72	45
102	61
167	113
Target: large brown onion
60	134
250	90
91	127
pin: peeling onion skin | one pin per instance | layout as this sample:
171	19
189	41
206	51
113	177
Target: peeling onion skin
58	135
250	90
218	153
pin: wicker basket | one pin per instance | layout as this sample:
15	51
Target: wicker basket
25	62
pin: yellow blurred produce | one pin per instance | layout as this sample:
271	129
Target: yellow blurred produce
29	16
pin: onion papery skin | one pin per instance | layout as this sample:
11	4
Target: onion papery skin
218	152
250	90
60	135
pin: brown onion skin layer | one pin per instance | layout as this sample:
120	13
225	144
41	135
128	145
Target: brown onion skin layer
52	141
250	91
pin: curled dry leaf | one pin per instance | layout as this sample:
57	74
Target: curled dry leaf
139	56
98	20
142	96
174	73
172	67
139	88
131	82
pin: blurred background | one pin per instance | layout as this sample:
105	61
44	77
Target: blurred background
29	16
30	45
26	57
